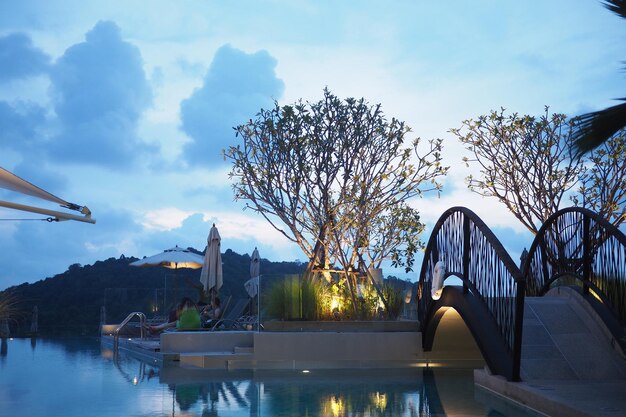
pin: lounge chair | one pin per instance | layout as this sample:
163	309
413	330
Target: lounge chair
230	317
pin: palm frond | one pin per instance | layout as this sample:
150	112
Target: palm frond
616	6
593	129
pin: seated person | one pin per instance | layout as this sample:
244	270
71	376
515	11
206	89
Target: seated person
203	296
188	318
173	315
212	314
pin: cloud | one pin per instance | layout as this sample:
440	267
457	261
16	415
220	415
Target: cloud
20	123
20	59
167	218
236	86
42	176
239	232
99	93
34	250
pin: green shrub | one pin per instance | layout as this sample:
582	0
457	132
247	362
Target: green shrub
394	298
297	298
315	297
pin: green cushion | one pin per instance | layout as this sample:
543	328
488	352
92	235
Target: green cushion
189	319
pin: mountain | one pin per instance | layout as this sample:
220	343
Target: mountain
70	303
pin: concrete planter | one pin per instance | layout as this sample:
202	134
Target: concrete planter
341	326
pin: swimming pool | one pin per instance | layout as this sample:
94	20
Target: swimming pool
77	377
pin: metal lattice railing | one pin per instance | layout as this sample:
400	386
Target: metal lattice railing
577	244
471	252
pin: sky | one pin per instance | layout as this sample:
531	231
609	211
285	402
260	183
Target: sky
126	106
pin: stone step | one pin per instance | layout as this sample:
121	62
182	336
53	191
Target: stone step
213	360
244	349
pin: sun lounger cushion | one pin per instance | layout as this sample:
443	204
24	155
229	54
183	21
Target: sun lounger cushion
189	319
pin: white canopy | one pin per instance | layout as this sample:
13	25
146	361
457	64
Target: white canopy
172	258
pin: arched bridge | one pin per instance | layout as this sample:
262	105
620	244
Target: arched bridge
574	245
579	248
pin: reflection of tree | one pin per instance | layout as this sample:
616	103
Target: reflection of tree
347	393
363	395
217	395
252	394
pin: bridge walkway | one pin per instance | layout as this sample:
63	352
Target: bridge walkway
561	340
569	365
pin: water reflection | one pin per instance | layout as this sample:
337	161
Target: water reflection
207	398
132	370
103	384
4	348
420	392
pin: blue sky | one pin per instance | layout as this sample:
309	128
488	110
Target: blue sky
125	106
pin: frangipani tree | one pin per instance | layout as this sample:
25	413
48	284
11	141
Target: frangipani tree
335	177
529	164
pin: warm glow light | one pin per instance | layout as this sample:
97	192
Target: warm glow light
592	292
427	365
379	400
334	303
336	406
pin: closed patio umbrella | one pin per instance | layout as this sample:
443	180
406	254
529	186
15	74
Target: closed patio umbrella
211	276
252	285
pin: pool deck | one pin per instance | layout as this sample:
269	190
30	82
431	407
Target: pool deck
565	371
306	346
560	398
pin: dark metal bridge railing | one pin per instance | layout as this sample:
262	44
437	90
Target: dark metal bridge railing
492	286
576	244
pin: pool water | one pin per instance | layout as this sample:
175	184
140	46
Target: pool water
78	377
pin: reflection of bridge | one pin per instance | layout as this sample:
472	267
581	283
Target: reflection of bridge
575	247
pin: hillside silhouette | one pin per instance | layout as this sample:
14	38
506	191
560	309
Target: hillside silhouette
70	303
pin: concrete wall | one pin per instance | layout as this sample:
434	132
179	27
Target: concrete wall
454	341
205	341
319	346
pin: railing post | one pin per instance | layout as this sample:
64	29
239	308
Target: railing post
519	325
545	276
466	252
586	255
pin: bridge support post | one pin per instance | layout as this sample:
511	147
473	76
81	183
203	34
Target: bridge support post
466	252
587	256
